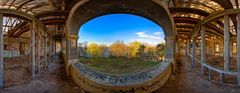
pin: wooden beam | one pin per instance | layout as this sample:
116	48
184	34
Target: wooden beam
189	3
51	3
1	53
37	6
237	4
11	3
174	3
5	1
23	4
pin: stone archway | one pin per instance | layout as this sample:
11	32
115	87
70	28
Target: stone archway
36	26
145	81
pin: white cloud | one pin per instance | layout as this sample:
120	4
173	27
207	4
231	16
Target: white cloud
140	33
148	36
153	38
158	33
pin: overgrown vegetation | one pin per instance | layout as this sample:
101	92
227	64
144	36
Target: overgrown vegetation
117	65
121	58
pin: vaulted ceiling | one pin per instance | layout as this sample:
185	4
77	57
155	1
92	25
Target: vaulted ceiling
186	14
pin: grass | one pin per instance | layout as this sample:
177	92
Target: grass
117	65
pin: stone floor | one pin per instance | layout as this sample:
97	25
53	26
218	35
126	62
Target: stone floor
190	81
54	80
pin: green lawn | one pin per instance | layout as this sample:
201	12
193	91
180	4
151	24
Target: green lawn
117	65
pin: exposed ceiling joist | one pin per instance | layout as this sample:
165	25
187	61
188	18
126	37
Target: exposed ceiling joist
23	4
51	3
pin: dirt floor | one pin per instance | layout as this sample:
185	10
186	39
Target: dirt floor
54	80
191	81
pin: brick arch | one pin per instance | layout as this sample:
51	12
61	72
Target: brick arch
153	10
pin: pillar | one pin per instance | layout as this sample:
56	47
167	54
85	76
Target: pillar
50	48
45	51
231	48
32	46
63	45
68	48
194	52
53	46
226	43
1	52
38	47
203	48
238	49
188	47
170	54
77	48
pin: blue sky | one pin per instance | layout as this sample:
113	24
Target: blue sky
109	28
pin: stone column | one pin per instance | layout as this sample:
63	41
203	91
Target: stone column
63	44
32	45
194	52
77	47
38	47
231	48
203	48
170	54
1	53
68	48
45	51
238	48
226	42
188	47
50	48
54	47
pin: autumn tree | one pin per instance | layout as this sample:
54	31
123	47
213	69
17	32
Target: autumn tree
102	50
83	49
93	50
118	49
160	50
133	48
140	53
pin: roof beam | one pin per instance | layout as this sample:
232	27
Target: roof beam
23	4
226	4
196	21
11	3
237	4
37	6
5	1
51	3
189	10
189	3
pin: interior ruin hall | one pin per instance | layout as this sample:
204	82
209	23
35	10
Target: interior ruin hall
40	50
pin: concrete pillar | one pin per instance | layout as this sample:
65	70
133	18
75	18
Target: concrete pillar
45	51
68	48
53	46
1	53
203	48
188	47
226	43
221	78
63	44
170	54
231	48
50	48
238	48
77	48
194	52
38	60
32	45
209	74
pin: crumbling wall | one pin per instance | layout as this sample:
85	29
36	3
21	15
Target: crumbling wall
16	70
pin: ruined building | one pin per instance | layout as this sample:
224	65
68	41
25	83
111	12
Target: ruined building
202	43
